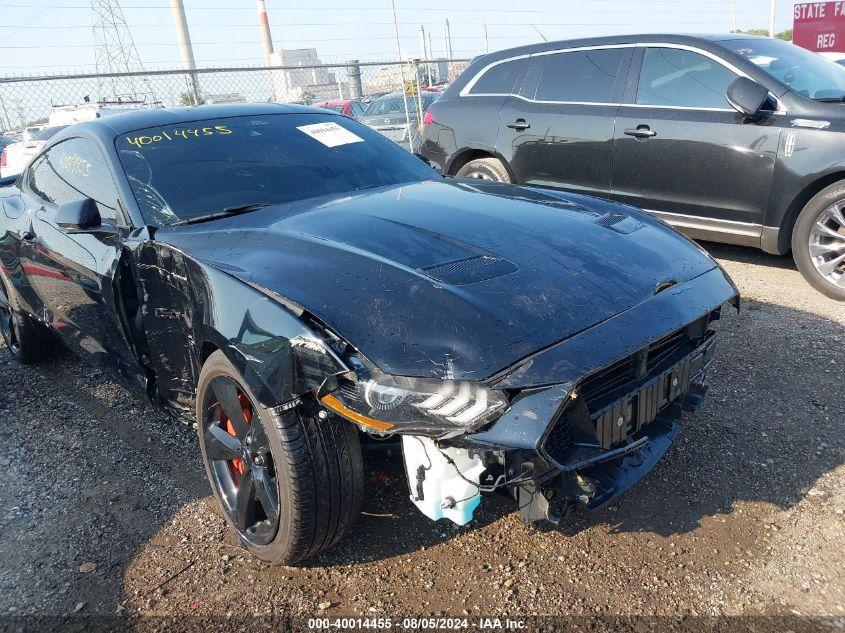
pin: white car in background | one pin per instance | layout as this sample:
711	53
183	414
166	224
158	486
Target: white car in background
30	132
16	156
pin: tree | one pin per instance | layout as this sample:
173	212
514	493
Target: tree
783	35
187	99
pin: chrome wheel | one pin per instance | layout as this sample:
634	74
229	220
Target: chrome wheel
480	175
827	245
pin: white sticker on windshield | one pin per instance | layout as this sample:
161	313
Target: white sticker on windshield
330	134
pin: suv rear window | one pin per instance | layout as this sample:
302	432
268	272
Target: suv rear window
582	76
499	79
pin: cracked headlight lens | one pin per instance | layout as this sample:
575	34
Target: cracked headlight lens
421	405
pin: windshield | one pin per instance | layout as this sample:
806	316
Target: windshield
386	106
179	172
808	74
48	132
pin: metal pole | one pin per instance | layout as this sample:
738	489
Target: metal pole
402	74
422	42
733	16
430	57
448	40
423	56
486	40
772	19
178	10
5	112
353	72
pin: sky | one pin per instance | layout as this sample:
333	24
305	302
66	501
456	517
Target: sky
52	36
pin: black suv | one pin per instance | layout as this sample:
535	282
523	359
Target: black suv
729	138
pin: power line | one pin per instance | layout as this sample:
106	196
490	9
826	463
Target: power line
404	8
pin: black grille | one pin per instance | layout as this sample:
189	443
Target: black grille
665	349
559	440
599	388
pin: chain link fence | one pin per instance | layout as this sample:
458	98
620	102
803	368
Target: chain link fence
30	101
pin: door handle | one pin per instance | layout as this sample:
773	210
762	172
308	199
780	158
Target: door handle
641	132
519	124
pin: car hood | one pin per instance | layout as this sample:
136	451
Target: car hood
449	278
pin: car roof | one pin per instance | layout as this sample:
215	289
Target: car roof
106	128
710	42
704	40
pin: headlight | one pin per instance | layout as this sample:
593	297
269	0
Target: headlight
420	405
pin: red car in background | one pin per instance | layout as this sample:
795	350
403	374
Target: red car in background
345	107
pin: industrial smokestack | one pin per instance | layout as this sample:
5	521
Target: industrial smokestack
264	25
178	10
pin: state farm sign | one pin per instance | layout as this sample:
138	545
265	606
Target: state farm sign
819	26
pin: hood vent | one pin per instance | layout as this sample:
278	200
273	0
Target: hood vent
471	269
619	222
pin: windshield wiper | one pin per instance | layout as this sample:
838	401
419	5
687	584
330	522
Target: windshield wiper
225	213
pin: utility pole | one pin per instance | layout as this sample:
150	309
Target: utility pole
430	57
486	40
402	75
422	43
447	40
733	16
772	19
424	55
178	11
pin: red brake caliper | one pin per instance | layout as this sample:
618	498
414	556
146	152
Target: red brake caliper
236	466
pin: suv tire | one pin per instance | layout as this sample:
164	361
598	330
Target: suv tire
818	241
485	169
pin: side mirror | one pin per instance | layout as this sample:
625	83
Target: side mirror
79	216
746	96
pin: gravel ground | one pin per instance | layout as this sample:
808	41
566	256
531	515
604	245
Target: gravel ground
105	509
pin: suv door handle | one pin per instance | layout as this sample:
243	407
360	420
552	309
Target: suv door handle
519	124
641	132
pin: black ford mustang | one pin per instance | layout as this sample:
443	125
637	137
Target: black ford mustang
296	283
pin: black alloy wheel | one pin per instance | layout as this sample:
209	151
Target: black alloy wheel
240	461
8	322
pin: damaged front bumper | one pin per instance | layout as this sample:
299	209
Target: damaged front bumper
585	441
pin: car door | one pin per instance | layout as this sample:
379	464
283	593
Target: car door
681	151
72	274
557	130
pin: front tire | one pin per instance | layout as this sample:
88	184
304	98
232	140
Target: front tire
290	486
818	241
485	169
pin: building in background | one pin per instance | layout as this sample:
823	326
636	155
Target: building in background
302	80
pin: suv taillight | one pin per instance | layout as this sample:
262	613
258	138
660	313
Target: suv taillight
3	157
